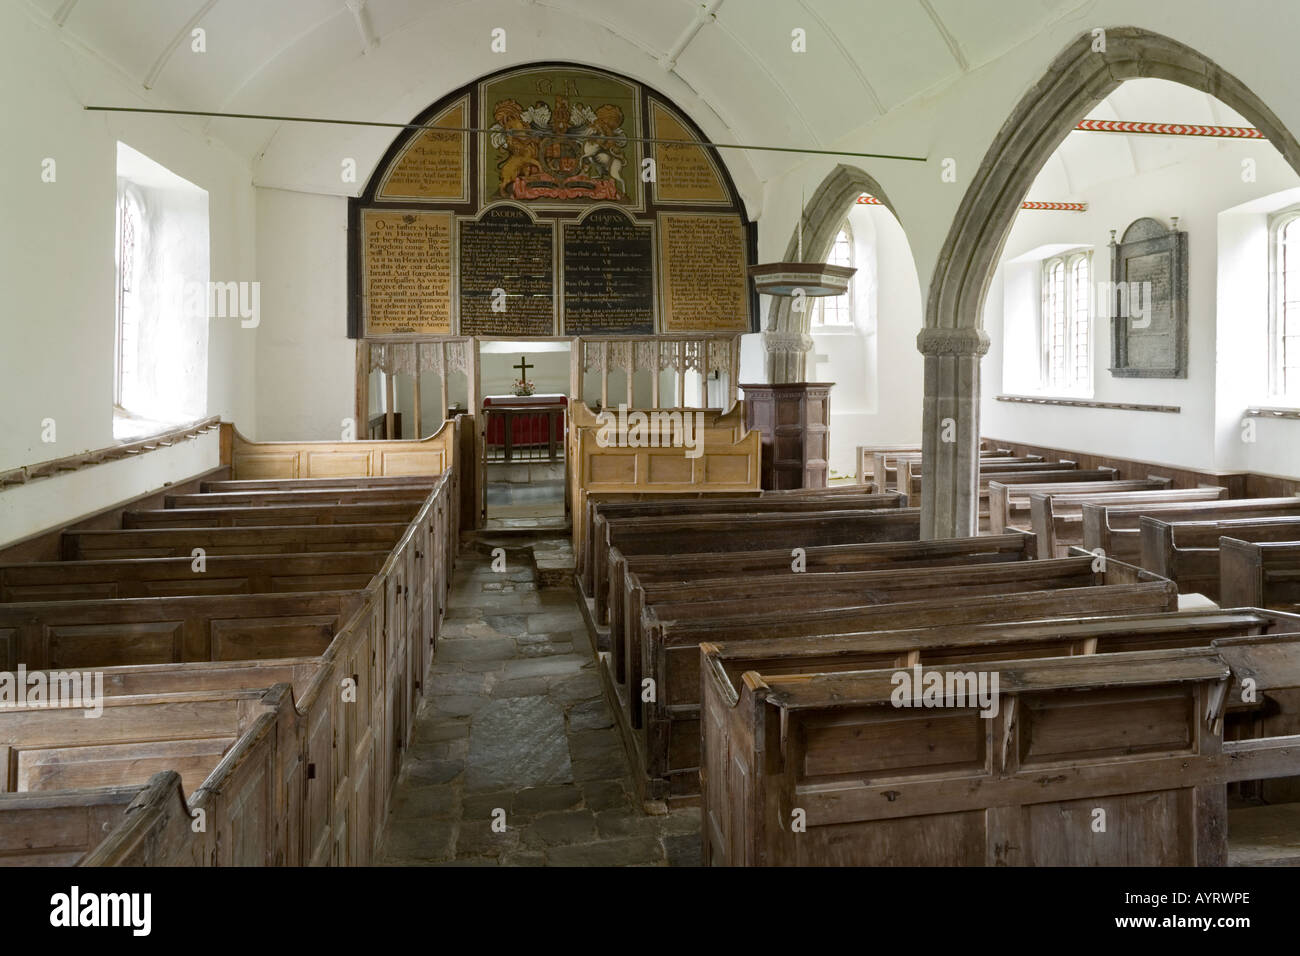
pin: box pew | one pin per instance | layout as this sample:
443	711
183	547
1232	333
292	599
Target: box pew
646	570
1009	494
329	496
80	634
600	507
744	531
664	738
309	782
884	785
783	503
319	484
377	512
51	748
159	577
59	827
675	600
1267	573
878	783
181	542
1116	529
1187	552
1057	519
912	477
887	465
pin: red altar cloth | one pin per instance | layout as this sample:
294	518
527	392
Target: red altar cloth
528	429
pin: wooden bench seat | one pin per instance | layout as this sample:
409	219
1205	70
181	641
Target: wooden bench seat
666	743
1267	574
1057	519
376	512
644	570
181	542
887	465
157	577
1009	494
1116	529
79	634
712	533
1187	552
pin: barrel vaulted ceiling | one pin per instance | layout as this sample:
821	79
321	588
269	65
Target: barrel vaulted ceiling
727	62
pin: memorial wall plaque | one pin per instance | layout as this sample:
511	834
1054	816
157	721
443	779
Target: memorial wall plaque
507	273
608	275
702	273
433	165
683	174
406	272
1148	302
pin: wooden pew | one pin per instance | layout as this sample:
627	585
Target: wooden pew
912	476
159	577
319	484
289	496
279	515
712	533
181	542
1265	573
886	468
1187	552
49	748
58	828
665	740
1009	494
626	606
603	513
1116	529
1057	519
964	563
879	784
80	634
600	507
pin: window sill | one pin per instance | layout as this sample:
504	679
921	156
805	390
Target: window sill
834	329
128	427
1087	403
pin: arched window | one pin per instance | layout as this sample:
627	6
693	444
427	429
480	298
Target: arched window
1067	321
837	310
1284	345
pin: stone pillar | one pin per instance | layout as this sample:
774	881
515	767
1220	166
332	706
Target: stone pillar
787	356
950	433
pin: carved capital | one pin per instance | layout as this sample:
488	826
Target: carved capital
787	342
952	342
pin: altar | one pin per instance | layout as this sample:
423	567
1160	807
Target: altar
520	426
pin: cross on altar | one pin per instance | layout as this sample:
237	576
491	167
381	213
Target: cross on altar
523	367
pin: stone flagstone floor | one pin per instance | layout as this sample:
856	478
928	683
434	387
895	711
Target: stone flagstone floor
515	721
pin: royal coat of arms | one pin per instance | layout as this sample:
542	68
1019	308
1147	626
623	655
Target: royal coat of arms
565	152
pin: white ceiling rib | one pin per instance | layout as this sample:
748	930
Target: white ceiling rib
181	35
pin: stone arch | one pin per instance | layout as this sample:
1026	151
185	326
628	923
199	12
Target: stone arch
953	341
787	334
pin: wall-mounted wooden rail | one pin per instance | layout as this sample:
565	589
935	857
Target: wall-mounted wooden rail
87	459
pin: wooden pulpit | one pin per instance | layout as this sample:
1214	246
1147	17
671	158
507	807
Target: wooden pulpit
795	421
